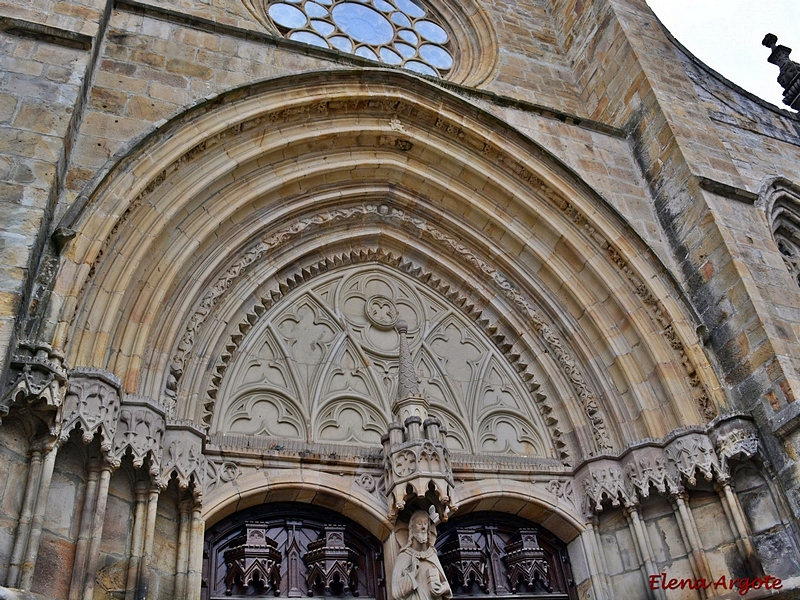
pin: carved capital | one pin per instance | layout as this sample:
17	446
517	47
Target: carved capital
646	469
38	384
91	405
183	456
690	455
140	431
735	438
603	481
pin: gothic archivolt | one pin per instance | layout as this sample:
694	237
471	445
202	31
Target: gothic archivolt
562	281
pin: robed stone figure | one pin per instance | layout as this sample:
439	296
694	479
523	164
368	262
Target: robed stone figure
418	574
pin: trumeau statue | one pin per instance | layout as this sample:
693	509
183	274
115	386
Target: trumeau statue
418	574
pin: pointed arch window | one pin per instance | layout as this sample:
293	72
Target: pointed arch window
782	204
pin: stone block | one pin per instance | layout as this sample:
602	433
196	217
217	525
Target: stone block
53	563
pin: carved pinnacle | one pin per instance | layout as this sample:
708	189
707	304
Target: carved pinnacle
406	378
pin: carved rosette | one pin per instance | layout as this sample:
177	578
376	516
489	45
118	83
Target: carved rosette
140	431
38	384
183	456
253	560
527	561
92	405
464	562
332	566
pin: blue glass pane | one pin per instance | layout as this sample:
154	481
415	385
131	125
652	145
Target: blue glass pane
323	27
419	67
325	2
309	38
437	56
409	36
383	6
410	8
314	10
431	32
341	43
363	23
400	19
405	50
365	52
287	15
390	57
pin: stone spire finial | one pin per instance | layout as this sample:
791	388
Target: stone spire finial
407	386
418	471
789	77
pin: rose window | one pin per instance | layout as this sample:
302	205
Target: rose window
394	32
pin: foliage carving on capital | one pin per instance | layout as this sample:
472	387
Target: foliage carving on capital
38	384
140	431
91	404
604	483
648	468
183	456
737	442
691	454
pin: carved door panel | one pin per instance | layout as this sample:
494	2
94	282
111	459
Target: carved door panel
487	555
291	551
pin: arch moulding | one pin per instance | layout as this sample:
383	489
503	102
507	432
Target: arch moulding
163	244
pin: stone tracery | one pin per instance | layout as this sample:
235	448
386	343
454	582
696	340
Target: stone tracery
343	373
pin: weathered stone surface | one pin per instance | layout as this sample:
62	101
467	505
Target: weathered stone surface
590	246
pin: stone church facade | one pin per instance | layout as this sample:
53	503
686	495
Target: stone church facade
279	277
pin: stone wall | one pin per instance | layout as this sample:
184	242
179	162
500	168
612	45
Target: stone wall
632	223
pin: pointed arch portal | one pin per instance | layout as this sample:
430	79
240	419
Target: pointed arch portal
242	268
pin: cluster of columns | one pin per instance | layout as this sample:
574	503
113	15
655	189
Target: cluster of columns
133	427
665	469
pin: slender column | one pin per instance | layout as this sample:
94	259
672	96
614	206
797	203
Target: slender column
182	563
643	550
195	555
688	527
97	531
137	541
28	567
85	532
143	581
743	541
24	525
592	549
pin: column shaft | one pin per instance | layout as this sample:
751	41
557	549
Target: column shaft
84	533
24	524
32	552
93	555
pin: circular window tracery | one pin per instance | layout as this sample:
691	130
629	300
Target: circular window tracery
394	32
